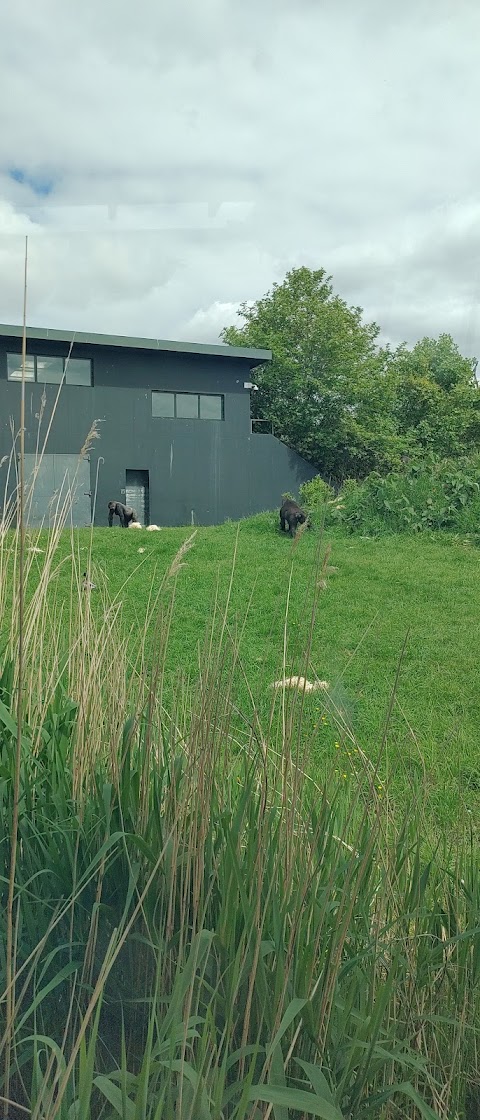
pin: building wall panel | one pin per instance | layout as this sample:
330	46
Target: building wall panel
200	470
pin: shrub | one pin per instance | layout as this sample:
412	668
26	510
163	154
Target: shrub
315	493
426	495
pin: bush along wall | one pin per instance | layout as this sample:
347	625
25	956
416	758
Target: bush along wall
425	495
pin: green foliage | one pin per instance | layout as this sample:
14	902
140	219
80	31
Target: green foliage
342	401
313	497
382	590
324	358
315	493
428	495
438	361
200	928
437	399
201	934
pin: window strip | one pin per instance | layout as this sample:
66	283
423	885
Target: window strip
168	405
50	369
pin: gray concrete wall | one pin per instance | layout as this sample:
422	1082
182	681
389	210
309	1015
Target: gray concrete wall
273	469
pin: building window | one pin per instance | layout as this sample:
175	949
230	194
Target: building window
49	371
14	367
211	407
79	371
188	406
163	404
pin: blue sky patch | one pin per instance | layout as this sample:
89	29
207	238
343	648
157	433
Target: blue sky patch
41	185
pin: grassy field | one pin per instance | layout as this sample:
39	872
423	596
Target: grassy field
402	604
222	901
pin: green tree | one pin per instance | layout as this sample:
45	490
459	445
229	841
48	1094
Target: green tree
326	390
437	398
342	401
439	360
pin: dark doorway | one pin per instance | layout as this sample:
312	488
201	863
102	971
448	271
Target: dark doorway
137	495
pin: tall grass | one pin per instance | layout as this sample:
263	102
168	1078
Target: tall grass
199	931
195	929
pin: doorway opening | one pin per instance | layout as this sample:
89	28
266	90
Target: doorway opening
137	494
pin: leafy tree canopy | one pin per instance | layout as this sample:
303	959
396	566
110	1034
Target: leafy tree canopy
437	399
339	398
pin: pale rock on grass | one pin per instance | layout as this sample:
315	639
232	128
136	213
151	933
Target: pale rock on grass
302	684
152	528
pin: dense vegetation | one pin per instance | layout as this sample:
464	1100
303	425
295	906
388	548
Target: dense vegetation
204	926
343	401
423	495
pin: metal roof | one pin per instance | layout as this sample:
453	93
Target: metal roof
254	357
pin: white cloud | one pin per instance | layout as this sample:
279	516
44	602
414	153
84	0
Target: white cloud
207	323
196	152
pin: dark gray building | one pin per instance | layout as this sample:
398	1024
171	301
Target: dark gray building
176	438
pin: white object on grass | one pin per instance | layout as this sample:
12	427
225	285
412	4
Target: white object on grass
301	683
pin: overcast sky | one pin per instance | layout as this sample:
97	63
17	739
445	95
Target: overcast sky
169	161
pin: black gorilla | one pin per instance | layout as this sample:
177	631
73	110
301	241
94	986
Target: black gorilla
292	516
125	513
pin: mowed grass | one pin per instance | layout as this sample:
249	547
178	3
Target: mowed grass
402	606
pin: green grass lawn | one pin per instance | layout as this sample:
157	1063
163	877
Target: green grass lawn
382	592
